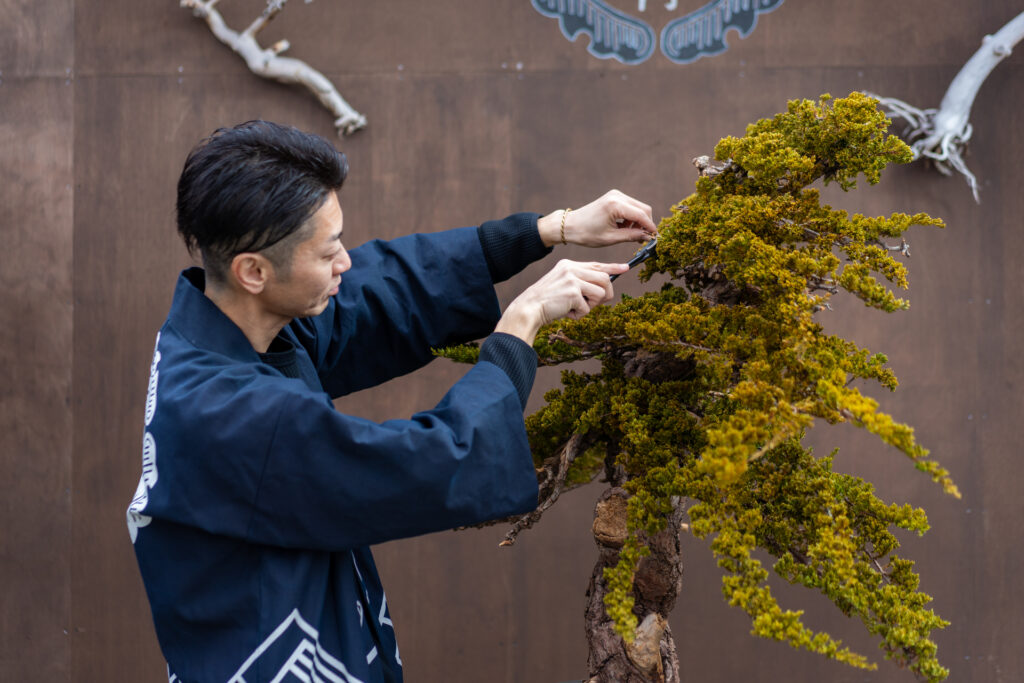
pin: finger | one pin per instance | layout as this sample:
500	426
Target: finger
579	309
607	291
596	287
617	196
639	216
646	208
609	268
601	278
632	232
596	294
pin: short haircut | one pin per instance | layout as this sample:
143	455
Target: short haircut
247	188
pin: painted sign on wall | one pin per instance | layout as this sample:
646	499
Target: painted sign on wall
617	34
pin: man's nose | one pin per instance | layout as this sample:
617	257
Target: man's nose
343	263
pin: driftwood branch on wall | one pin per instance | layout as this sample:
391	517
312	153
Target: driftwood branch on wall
268	62
941	134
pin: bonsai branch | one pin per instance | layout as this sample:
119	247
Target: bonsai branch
552	484
617	345
815	283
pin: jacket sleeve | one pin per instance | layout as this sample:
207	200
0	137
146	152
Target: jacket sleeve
511	244
400	299
296	473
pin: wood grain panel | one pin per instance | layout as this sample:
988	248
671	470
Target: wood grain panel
459	134
350	36
36	39
36	204
35	378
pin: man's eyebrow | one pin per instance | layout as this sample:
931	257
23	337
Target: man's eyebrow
335	237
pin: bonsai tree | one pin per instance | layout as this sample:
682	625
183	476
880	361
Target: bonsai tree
706	387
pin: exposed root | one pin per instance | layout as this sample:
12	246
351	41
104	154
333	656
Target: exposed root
943	146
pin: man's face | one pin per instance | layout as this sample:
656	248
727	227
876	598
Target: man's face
316	267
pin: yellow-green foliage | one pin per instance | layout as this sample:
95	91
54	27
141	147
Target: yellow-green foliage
746	373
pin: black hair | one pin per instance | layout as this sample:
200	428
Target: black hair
247	188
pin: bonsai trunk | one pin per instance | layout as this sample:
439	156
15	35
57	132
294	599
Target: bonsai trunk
651	657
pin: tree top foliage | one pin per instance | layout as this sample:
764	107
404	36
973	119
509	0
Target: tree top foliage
707	385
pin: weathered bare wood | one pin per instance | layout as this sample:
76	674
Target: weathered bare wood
268	62
942	134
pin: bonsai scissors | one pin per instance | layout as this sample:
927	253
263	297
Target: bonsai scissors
645	252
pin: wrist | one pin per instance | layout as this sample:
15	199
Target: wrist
552	227
515	358
520	321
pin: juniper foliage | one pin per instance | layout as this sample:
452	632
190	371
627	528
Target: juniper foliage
707	385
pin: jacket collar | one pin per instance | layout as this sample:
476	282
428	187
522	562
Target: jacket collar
196	318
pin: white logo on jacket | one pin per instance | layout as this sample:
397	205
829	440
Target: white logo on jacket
308	661
150	474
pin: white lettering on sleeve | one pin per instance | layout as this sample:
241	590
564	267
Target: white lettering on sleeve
150	475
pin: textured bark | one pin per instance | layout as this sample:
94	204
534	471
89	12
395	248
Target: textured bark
651	657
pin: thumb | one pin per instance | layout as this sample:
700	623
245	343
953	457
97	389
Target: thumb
632	234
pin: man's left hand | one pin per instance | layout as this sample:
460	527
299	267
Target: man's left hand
613	218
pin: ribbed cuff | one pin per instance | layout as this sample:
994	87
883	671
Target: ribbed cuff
511	244
515	357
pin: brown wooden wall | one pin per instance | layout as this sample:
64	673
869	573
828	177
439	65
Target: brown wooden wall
477	109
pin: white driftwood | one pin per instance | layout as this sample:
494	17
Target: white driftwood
942	134
269	63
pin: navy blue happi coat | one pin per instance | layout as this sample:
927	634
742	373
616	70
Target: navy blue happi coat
258	500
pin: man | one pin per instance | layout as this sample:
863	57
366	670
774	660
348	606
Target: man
258	500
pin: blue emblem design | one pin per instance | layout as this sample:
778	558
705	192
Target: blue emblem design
613	34
617	35
702	33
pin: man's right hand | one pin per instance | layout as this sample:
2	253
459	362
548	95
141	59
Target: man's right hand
570	289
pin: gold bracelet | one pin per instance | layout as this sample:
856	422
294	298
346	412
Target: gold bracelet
564	214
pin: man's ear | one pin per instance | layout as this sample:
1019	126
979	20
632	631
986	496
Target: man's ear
251	271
